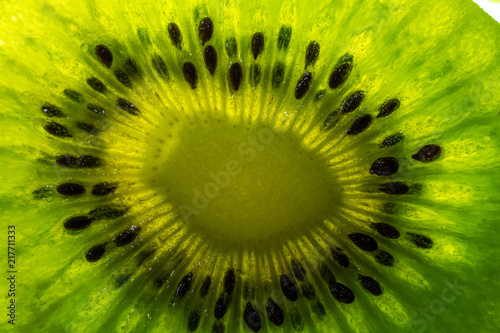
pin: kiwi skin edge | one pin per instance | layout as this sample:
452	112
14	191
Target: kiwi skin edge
305	168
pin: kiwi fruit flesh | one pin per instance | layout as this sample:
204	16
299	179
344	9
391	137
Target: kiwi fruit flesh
254	166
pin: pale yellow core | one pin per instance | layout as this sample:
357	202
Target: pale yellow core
241	184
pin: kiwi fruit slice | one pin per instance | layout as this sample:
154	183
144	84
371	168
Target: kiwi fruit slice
272	166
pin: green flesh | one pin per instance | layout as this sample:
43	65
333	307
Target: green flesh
250	179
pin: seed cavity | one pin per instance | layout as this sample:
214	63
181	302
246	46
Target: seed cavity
284	37
193	320
206	29
312	53
388	107
340	258
127	106
308	291
57	129
303	85
274	313
318	309
359	125
384	258
160	66
288	288
326	273
394	188
391	140
341	72
70	189
231	47
421	241
123	78
252	318
298	270
218	328
341	292
220	308
97	85
364	242
278	74
352	102
77	223
210	56
235	75
52	111
331	120
96	109
89	128
229	281
104	55
84	161
257	44
132	66
296	319
205	287
126	237
385	166
427	153
104	188
386	230
184	285
371	285
175	35
95	253
107	212
190	74
255	74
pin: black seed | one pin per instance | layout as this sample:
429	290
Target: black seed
421	241
205	287
104	188
341	258
127	106
252	318
388	107
123	78
288	288
391	140
210	56
303	85
257	44
278	74
229	281
69	161
384	258
296	319
184	285
206	29
193	320
341	293
77	223
394	188
175	35
326	273
97	85
427	153
51	110
57	129
70	189
298	270
359	125
107	212
352	102
96	109
89	161
308	291
160	66
331	120
104	55
190	74
339	75
364	242
126	237
74	95
235	75
318	309
370	284
386	230
312	53
220	308
385	166
274	313
231	46
132	66
284	37
95	253
218	328
91	129
255	74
